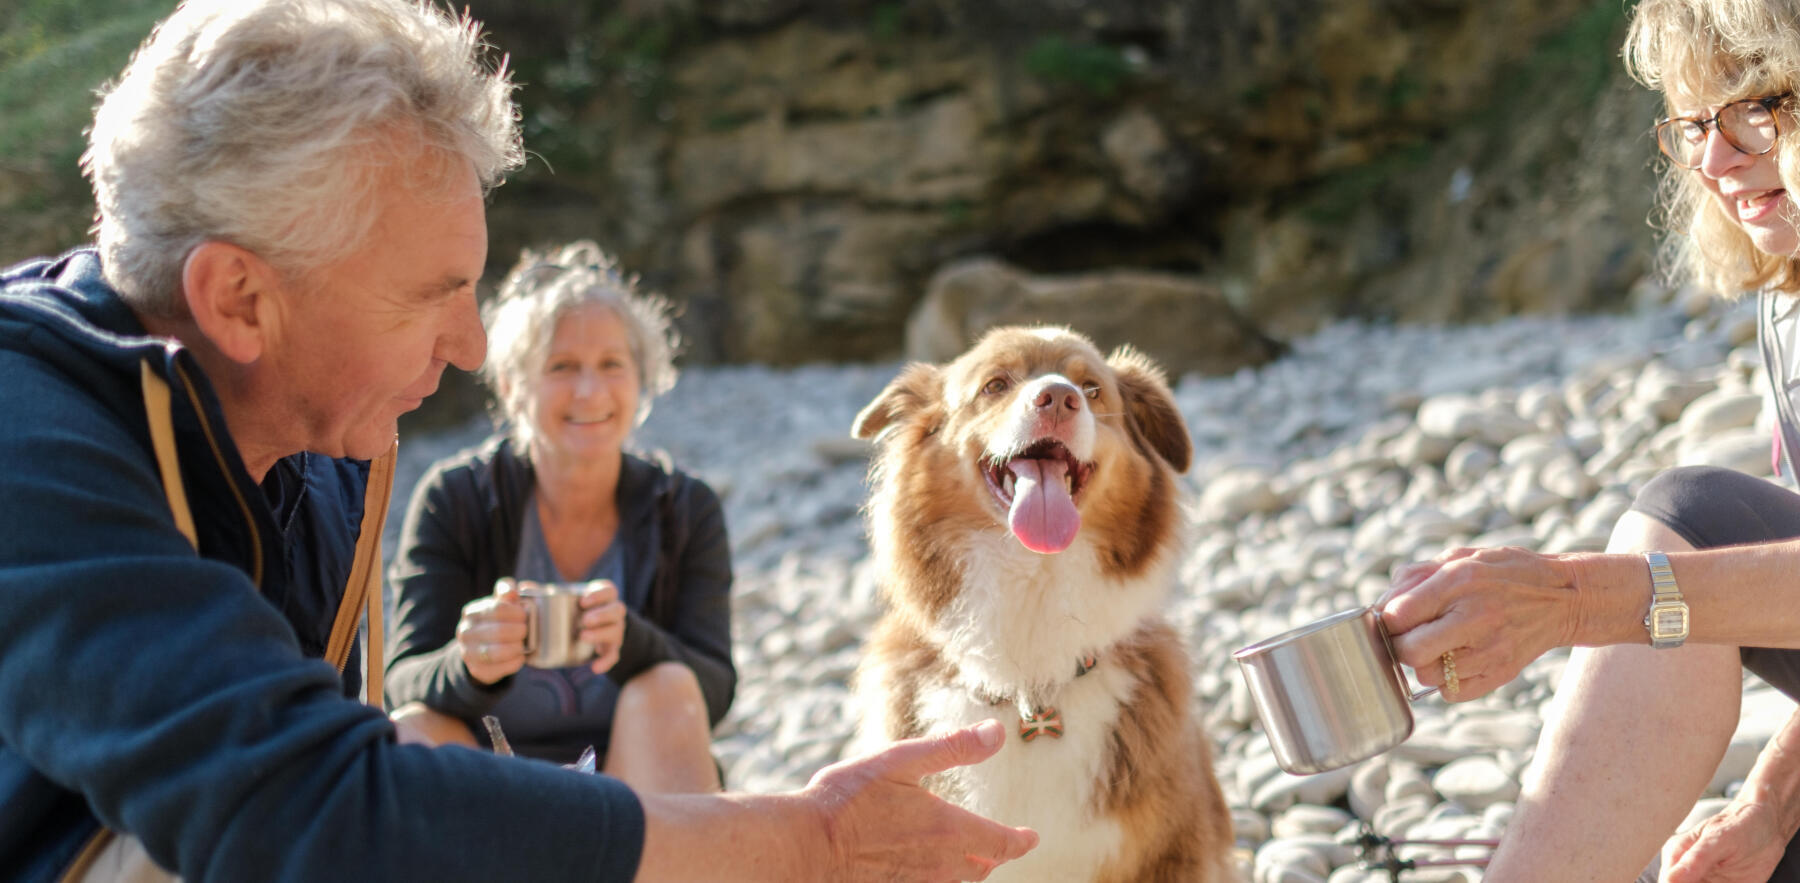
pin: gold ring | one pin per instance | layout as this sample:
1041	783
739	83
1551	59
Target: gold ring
481	650
1451	685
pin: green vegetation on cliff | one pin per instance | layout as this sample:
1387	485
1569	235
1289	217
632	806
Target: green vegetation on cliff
54	54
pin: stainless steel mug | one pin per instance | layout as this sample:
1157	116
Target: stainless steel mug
1330	692
552	622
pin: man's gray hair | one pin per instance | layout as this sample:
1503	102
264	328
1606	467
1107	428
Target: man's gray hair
522	320
251	122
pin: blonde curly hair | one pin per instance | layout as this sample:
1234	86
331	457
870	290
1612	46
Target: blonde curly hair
535	296
1705	53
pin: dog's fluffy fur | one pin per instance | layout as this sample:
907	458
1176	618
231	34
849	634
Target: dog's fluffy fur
979	625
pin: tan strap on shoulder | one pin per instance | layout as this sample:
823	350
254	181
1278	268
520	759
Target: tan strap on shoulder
364	585
162	438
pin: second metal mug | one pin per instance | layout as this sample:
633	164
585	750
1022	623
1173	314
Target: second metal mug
1330	693
552	623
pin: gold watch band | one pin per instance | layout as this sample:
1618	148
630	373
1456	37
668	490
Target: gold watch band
1667	618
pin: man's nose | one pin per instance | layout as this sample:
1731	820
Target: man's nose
464	341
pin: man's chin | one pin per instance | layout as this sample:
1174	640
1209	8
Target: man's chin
371	443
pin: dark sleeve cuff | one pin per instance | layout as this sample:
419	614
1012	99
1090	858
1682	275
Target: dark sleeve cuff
645	645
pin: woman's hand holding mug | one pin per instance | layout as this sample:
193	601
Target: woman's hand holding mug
603	623
491	634
1494	610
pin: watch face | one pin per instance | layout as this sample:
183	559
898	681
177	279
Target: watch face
1669	621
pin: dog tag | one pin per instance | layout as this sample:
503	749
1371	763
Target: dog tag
1041	722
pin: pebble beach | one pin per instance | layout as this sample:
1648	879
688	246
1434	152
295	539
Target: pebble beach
1365	447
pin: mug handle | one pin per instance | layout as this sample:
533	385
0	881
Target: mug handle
531	629
1399	671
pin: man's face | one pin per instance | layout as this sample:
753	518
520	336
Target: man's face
365	339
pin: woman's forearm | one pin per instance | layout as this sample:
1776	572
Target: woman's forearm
1742	596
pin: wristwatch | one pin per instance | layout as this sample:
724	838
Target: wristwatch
1667	621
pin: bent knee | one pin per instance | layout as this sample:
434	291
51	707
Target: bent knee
1709	507
666	686
420	724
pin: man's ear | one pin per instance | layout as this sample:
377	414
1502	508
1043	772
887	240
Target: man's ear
227	289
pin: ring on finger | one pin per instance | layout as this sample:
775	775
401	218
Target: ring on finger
481	650
1451	684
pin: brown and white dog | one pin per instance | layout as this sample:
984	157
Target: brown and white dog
1026	525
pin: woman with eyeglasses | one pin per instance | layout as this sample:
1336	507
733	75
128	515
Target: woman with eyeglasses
1701	579
575	356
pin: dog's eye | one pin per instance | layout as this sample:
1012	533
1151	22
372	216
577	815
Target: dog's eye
995	387
1092	390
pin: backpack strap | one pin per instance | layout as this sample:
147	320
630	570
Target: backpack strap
364	586
162	438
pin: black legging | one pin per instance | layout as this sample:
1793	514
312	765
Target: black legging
1711	507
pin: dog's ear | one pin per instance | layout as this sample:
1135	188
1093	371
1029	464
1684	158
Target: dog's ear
1150	408
916	389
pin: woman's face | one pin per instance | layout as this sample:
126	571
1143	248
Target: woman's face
1749	188
586	397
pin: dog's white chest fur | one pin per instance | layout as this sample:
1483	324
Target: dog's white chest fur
1023	620
1016	632
1048	784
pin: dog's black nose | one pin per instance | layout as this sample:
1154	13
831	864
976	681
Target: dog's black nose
1058	398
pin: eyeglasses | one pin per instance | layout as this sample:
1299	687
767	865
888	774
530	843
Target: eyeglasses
1751	126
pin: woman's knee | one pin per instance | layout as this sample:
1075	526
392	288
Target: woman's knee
418	724
1709	507
664	688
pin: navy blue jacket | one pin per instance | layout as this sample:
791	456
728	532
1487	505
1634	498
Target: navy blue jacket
180	695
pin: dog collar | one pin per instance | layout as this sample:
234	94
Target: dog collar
1046	720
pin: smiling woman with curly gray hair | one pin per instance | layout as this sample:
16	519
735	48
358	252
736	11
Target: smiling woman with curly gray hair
576	354
534	298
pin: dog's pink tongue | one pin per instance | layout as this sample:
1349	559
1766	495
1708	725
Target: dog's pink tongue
1043	514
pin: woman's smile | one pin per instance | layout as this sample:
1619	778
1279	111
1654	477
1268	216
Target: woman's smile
587	392
1756	205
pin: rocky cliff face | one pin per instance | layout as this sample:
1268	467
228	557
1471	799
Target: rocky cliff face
794	171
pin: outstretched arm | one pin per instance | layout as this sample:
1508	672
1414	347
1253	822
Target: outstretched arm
859	820
1499	609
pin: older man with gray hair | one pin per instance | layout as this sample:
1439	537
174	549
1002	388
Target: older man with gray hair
201	418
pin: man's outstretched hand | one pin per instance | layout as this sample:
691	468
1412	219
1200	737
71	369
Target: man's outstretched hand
882	825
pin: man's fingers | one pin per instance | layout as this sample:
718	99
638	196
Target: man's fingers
913	759
1005	842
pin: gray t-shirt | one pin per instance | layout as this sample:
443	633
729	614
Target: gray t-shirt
554	713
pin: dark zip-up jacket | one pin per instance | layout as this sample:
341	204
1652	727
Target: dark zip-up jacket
462	533
179	695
